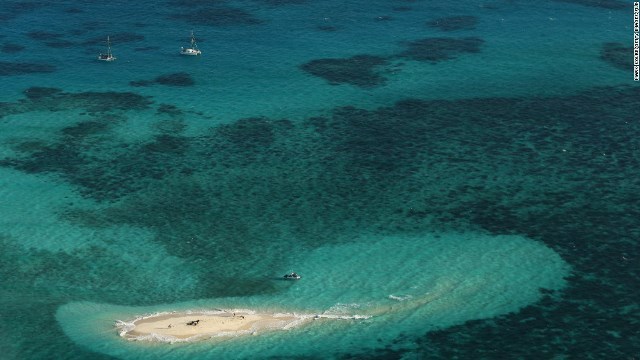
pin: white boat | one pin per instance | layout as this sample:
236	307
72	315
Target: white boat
191	50
108	56
292	276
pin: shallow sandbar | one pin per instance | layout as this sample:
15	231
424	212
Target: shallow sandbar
186	326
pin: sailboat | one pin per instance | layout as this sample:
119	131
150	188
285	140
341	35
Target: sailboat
108	56
193	49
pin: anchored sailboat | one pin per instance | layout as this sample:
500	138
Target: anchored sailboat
108	56
193	49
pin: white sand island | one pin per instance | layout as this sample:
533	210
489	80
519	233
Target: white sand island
189	326
180	327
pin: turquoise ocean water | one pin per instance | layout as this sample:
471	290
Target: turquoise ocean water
452	180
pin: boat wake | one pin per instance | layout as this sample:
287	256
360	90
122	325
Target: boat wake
400	298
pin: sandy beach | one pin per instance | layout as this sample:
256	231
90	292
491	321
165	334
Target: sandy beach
204	325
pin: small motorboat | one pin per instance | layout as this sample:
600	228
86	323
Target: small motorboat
292	276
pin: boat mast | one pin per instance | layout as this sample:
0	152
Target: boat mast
108	47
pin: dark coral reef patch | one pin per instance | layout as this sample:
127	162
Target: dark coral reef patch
50	39
282	2
367	71
327	28
59	44
248	133
618	55
105	101
359	70
606	4
193	3
147	48
166	143
125	37
452	23
37	92
9	48
439	48
85	128
43	35
217	16
169	109
381	141
53	99
121	37
16	68
175	79
10	9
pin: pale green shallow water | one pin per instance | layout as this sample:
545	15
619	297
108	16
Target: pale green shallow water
403	284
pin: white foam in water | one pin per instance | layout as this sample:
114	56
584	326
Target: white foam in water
378	287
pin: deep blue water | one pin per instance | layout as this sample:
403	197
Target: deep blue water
462	175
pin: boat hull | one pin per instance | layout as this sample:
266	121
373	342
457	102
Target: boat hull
190	52
106	58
